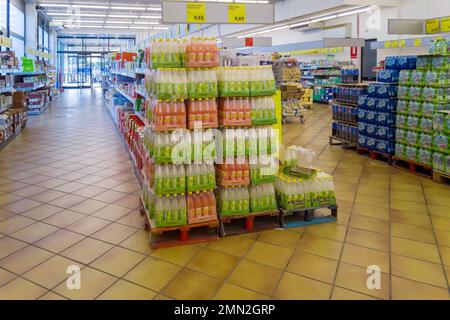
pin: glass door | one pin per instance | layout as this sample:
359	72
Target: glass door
81	70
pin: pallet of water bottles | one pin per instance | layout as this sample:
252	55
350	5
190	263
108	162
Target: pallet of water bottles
414	167
375	155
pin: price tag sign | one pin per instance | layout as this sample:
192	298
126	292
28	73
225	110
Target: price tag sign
432	26
395	44
195	12
445	24
417	42
387	44
237	13
402	44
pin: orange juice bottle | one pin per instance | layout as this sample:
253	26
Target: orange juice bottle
159	113
240	109
247	110
197	205
206	111
233	108
166	112
239	172
212	204
205	204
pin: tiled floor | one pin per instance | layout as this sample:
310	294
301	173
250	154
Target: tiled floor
68	196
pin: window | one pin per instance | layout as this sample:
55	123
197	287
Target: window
46	45
18	47
17	21
3	14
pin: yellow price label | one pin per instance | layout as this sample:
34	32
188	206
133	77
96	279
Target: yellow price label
195	12
445	24
402	43
417	42
237	13
387	44
5	42
395	44
432	26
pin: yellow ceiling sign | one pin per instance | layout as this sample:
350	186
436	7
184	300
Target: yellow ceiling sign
445	24
237	13
387	44
402	43
417	42
395	44
432	26
195	12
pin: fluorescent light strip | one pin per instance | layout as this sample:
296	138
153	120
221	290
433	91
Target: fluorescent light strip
115	27
88	6
349	13
160	28
76	14
80	21
154	9
145	22
111	21
128	8
141	27
121	16
151	17
324	18
55	5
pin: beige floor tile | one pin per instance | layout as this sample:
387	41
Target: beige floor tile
88	206
313	266
8	198
25	259
420	220
256	277
60	240
13	186
51	296
328	230
371	211
117	261
445	253
6	276
89	191
213	263
271	255
86	250
418	270
180	255
409	206
14	224
412	232
34	232
22	206
93	283
138	241
442	224
143	273
373	240
439	211
320	246
401	186
9	245
51	183
124	290
111	212
131	201
21	289
294	287
372	200
355	278
443	238
114	233
281	238
110	196
344	294
230	291
132	219
51	272
89	179
191	285
67	201
88	225
42	212
404	289
236	245
69	187
415	249
64	218
29	191
5	215
365	257
127	187
368	190
369	224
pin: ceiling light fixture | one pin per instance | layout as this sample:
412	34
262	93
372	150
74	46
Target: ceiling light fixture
324	18
154	9
151	17
88	6
76	14
119	22
116	27
146	22
351	12
56	5
122	16
128	8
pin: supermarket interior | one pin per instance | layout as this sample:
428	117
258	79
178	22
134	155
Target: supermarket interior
224	150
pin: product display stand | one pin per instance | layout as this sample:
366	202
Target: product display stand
303	217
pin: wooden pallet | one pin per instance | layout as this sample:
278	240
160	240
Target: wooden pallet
413	167
291	218
343	142
375	155
441	177
164	237
252	222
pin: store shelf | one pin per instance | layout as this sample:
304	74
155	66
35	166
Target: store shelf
350	123
30	89
8	71
132	100
6	90
6	109
11	138
142	93
124	74
142	118
37	73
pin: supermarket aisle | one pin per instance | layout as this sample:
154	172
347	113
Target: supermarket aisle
68	196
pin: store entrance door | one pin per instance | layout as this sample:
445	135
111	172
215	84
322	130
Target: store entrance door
81	70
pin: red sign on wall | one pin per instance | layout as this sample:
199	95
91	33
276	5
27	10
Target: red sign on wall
249	42
353	52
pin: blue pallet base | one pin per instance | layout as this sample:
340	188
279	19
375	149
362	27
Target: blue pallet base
302	223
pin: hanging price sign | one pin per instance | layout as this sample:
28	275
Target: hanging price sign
445	24
237	13
5	42
395	44
417	42
402	44
195	12
387	44
432	26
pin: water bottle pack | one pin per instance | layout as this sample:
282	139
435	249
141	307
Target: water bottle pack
382	90
233	174
249	142
168	179
262	198
200	177
234	201
344	113
165	211
295	193
349	94
246	81
167	84
235	111
202	83
263	111
166	115
263	172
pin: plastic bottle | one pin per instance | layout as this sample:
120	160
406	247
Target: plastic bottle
191	206
198	206
205	204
